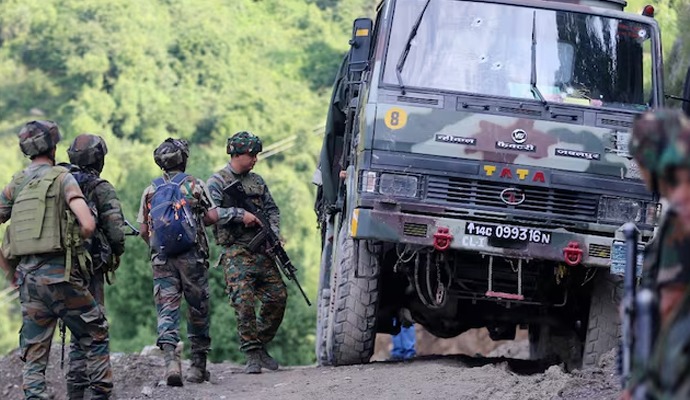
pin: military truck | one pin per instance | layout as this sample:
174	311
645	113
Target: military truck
475	173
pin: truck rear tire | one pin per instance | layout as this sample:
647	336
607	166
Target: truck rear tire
351	322
324	295
603	326
322	327
546	343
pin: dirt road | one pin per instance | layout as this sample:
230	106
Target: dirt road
450	377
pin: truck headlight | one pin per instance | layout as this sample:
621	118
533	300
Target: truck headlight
389	184
621	210
398	185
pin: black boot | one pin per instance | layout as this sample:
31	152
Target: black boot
197	372
173	369
266	360
253	362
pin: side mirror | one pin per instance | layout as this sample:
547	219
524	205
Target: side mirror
686	94
360	44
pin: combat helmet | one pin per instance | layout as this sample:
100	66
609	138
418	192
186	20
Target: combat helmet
676	153
244	142
88	150
171	153
38	137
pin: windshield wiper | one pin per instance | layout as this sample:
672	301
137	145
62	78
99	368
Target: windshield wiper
533	77
406	51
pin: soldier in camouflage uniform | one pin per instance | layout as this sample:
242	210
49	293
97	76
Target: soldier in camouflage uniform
649	140
660	145
183	275
87	155
249	276
53	284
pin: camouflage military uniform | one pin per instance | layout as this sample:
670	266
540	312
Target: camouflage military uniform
649	139
46	296
185	274
249	276
109	224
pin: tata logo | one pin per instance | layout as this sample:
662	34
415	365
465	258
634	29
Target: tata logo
519	136
513	196
521	174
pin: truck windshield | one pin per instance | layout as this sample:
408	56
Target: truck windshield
487	48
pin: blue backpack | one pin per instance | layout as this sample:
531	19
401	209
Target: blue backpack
171	221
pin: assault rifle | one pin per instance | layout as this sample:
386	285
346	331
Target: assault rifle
236	192
639	316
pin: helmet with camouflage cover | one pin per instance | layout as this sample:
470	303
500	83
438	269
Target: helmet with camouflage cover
38	137
244	142
172	153
647	140
88	150
676	153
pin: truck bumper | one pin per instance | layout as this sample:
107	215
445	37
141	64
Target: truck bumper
489	238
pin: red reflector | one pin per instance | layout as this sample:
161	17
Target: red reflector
648	10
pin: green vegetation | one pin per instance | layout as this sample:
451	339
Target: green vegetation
139	72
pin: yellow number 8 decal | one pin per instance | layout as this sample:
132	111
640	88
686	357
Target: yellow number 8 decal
396	118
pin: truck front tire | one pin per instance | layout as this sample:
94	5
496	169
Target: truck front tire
604	326
350	325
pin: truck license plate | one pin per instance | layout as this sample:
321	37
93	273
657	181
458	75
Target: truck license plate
618	259
508	232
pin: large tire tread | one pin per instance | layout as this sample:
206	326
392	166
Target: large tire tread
354	302
604	326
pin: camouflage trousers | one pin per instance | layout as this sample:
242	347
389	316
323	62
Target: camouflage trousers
77	378
42	306
172	279
251	277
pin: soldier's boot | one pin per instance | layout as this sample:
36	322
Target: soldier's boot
75	392
198	373
253	362
266	360
173	369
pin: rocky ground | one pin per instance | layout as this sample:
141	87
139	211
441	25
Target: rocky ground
500	375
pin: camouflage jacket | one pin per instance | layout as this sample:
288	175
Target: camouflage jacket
49	269
233	231
668	375
667	260
200	201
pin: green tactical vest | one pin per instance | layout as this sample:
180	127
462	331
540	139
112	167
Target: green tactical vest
41	223
38	216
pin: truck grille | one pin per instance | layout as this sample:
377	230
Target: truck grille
552	204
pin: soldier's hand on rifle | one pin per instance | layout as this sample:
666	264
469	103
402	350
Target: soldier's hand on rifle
249	219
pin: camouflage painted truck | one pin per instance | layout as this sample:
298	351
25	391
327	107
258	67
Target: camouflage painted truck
475	173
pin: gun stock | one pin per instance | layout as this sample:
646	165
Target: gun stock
236	192
628	304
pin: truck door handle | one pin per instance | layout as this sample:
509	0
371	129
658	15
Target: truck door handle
481	107
572	117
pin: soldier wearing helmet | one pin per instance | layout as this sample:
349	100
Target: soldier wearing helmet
249	275
661	146
87	156
182	275
47	272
